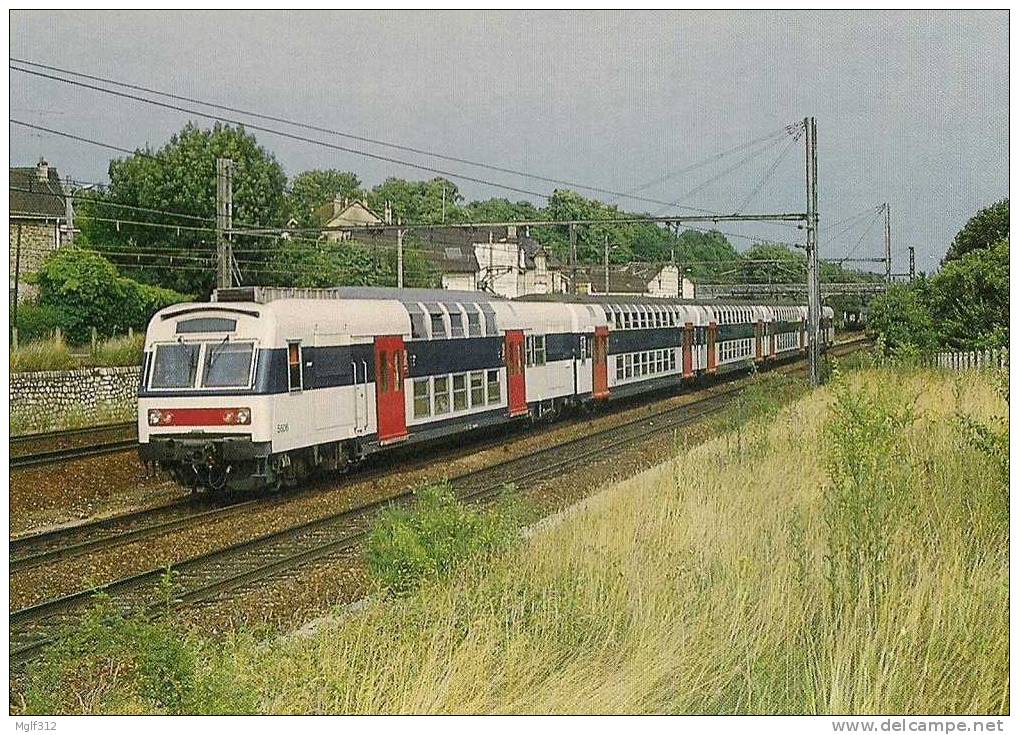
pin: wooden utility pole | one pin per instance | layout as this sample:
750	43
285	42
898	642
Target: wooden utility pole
399	258
573	257
813	269
888	243
17	278
912	263
224	222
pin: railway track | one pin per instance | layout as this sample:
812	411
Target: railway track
234	567
57	434
54	456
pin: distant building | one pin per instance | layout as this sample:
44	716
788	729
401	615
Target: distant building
344	212
645	279
499	260
39	210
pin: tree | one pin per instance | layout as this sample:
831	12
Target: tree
969	299
87	291
311	189
502	210
983	230
180	177
902	317
346	263
419	201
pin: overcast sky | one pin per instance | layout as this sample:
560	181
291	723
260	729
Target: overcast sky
911	107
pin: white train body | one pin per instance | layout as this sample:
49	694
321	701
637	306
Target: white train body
263	386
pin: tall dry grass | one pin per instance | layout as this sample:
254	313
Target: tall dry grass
848	557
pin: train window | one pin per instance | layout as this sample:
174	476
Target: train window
626	320
398	371
456	325
628	366
619	367
539	349
295	367
438	326
441	394
619	319
422	398
460	392
227	365
494	389
477	389
473	324
418	329
175	366
417	326
384	372
206	324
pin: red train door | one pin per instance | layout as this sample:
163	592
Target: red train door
600	379
517	387
390	371
688	350
712	332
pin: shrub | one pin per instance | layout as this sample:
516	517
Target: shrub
110	662
38	321
91	293
50	354
411	545
118	352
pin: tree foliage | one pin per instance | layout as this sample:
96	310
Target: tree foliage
963	306
87	291
180	177
347	263
312	189
420	201
986	228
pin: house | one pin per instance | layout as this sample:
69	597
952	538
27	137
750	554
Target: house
499	260
344	212
646	279
40	210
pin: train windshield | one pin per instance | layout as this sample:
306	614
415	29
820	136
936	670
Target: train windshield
175	366
227	365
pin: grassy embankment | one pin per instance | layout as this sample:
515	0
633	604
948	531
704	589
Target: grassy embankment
847	555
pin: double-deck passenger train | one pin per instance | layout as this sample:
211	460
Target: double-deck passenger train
263	386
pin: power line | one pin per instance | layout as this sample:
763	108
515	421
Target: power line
768	174
361	138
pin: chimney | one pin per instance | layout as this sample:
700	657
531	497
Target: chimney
389	213
42	170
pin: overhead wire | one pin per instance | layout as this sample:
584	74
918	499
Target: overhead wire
360	138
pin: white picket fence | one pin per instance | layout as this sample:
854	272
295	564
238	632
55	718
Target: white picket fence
973	360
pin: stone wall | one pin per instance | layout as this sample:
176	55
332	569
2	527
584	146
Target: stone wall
41	401
38	239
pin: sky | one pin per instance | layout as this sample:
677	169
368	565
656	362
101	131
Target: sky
911	107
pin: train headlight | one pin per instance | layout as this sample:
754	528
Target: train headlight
155	416
243	416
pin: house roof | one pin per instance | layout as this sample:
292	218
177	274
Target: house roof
630	278
450	250
336	209
34	198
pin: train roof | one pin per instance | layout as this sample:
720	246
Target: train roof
267	294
